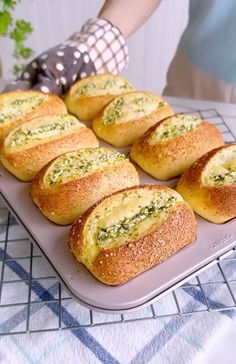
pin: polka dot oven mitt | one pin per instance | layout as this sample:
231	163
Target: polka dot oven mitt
98	48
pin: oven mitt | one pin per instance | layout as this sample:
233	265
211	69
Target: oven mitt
98	48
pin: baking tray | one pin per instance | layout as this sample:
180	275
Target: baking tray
213	240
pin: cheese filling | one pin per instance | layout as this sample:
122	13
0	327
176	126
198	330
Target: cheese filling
44	128
131	106
79	164
221	169
174	126
14	109
104	86
126	217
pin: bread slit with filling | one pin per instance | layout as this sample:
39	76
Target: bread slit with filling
33	144
130	231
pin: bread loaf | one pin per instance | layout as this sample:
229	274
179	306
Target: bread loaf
130	231
128	116
88	96
19	106
209	185
70	184
173	144
34	143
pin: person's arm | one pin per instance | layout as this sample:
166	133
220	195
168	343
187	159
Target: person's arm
128	15
99	47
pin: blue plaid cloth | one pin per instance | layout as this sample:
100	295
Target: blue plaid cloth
60	328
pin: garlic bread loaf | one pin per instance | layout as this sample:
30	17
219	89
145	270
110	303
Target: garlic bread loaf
173	144
128	116
19	106
71	183
209	185
88	96
33	144
130	231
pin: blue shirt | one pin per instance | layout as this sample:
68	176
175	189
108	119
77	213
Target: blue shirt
209	40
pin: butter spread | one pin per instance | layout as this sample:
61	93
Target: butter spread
175	126
131	106
103	86
221	168
13	109
79	164
41	128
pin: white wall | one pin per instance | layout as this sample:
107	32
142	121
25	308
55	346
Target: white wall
151	47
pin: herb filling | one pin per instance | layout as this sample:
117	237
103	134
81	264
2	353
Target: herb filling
16	108
112	85
114	112
175	126
85	90
135	106
127	225
22	136
228	178
80	163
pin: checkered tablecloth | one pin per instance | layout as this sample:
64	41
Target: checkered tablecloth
61	329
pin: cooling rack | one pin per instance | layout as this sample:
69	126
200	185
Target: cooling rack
32	299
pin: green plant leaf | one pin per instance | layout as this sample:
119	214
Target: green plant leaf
25	52
18	69
10	4
21	31
18	31
24	26
5	22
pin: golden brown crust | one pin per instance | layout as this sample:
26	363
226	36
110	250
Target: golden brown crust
125	134
24	164
118	265
215	203
165	160
63	203
87	107
54	105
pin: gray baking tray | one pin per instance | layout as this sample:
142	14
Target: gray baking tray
212	241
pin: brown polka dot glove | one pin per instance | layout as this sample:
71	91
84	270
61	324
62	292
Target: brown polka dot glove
98	48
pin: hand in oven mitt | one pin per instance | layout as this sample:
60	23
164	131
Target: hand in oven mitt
98	48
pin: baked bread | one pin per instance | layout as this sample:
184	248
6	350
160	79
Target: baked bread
70	184
34	143
130	231
19	106
88	96
209	185
127	117
172	145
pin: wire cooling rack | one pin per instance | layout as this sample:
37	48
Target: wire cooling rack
32	299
